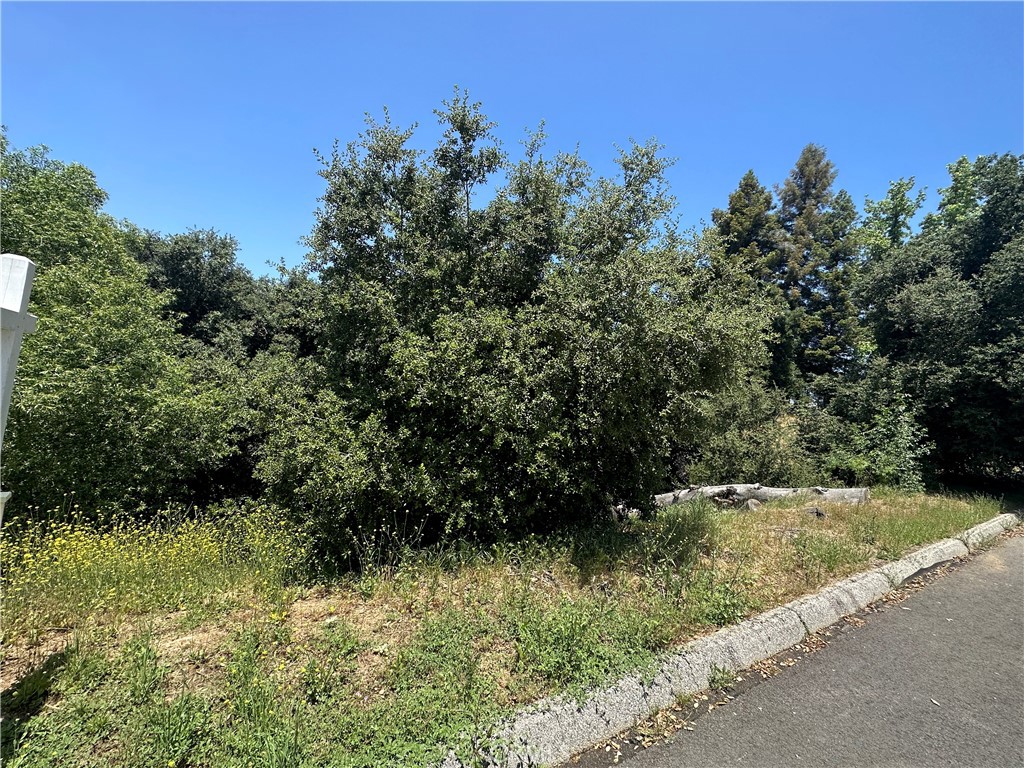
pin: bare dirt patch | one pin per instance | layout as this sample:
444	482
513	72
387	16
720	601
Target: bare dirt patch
21	658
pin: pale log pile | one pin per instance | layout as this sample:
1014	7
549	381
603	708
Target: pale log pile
738	494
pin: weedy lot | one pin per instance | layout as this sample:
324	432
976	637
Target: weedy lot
213	642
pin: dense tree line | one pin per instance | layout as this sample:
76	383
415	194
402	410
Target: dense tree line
479	344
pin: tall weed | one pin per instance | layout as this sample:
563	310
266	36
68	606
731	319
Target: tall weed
58	573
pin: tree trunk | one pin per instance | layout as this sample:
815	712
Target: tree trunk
734	495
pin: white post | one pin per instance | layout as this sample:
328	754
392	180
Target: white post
16	273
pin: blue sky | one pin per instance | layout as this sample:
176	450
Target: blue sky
206	114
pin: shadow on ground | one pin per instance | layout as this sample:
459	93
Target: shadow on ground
24	699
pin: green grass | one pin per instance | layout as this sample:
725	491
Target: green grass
819	554
935	517
396	665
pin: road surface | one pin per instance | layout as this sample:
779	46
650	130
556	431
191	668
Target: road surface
936	680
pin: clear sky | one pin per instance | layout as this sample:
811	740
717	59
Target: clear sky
206	114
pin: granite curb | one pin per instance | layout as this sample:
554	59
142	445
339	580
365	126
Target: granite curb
553	730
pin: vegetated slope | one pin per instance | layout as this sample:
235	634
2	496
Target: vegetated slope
171	653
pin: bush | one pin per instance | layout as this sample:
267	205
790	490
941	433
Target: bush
108	402
755	436
105	406
506	368
867	433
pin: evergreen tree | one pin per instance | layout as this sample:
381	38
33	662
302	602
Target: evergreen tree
509	364
748	225
813	265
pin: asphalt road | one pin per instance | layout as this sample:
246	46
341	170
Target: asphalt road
937	680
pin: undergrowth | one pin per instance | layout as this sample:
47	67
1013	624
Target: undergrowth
415	655
57	572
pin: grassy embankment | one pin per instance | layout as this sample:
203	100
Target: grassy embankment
209	643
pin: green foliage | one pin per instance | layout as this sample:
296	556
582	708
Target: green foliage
800	257
748	226
438	697
672	543
959	203
803	251
886	451
444	658
468	359
52	210
107	405
340	476
514	366
263	726
868	432
813	266
887	222
325	674
716	600
756	436
210	292
118	706
482	345
102	378
576	641
173	731
566	643
946	312
142	672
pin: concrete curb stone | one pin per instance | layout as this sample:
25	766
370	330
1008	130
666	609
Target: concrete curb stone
779	629
900	570
978	536
553	730
865	588
824	608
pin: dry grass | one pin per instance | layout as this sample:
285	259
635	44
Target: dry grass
468	633
789	551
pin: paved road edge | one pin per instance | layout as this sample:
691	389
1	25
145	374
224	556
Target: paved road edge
551	731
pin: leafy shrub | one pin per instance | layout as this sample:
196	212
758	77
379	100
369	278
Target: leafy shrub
886	451
108	402
105	406
504	369
754	437
867	433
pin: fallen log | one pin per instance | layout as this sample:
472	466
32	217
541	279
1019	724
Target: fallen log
737	494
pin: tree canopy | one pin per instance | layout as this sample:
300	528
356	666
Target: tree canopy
485	342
